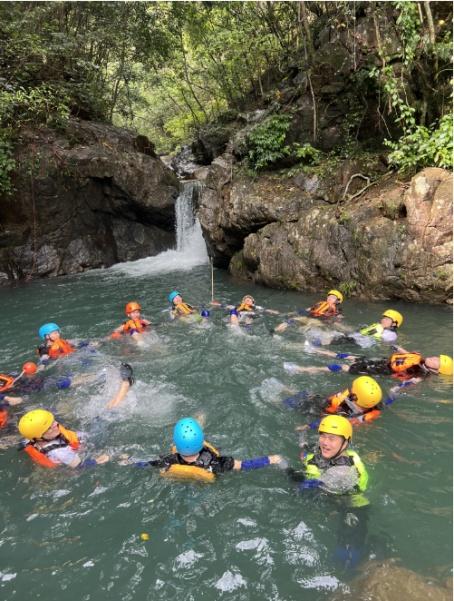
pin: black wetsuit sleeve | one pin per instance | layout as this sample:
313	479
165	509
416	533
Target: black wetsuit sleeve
295	475
43	350
165	461
222	464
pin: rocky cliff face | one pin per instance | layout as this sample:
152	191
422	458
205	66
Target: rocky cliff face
90	197
394	241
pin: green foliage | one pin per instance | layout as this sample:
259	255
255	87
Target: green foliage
424	146
266	145
7	164
266	142
348	288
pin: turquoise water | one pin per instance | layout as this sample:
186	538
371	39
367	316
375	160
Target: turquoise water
250	535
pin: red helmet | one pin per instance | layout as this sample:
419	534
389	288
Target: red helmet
132	306
29	368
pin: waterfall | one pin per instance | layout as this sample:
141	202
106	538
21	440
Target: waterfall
190	248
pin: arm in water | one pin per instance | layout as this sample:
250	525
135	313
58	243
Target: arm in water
127	376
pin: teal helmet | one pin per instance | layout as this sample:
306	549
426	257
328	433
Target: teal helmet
47	329
172	295
188	436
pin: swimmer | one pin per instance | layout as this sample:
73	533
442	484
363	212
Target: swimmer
332	461
360	403
179	308
194	458
53	345
50	444
409	367
385	331
127	380
135	325
328	308
247	311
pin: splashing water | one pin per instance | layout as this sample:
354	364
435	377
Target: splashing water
191	248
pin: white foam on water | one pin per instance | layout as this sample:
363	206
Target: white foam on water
229	582
191	248
187	559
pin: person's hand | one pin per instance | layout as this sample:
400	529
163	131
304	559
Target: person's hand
215	303
272	311
302	428
14	400
281	327
275	459
102	459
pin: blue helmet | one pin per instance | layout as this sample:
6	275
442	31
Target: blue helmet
46	329
205	313
188	436
172	295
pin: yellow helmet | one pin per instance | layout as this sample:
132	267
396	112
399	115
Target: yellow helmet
445	365
34	423
336	424
367	391
337	294
394	316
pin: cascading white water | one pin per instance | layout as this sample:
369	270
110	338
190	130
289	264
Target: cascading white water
191	248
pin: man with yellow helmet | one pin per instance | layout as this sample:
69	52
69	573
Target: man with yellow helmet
332	457
360	403
410	367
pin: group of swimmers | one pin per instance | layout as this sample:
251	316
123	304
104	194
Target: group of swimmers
50	444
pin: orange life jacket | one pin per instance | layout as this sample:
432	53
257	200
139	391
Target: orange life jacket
3	418
402	362
138	325
335	400
183	309
367	417
6	382
323	309
40	457
60	348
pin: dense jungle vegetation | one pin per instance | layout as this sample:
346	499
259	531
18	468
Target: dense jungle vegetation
169	69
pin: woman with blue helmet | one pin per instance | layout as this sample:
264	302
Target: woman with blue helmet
180	309
53	345
194	458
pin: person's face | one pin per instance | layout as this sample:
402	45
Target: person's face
53	336
331	444
134	314
51	432
248	300
386	322
177	300
432	363
332	299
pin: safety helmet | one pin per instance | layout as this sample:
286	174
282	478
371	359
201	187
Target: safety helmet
188	436
34	423
336	424
47	329
395	316
172	295
132	306
337	294
246	296
29	368
445	365
367	391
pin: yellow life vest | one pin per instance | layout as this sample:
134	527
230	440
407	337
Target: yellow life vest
183	309
323	309
245	307
375	330
179	471
312	472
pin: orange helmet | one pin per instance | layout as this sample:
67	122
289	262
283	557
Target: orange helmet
132	306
